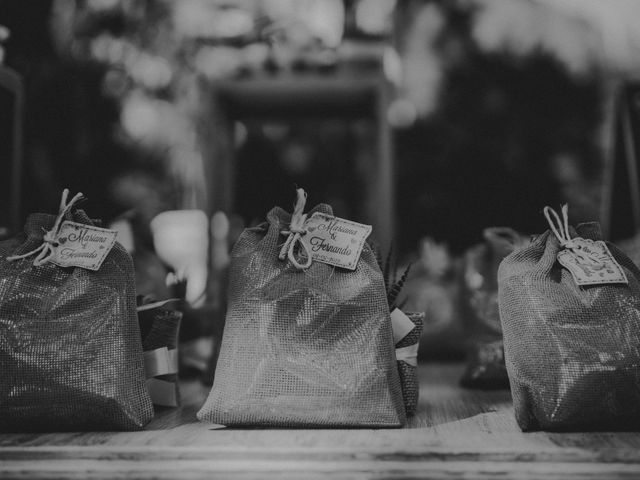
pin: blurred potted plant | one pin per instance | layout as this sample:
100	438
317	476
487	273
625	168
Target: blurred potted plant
406	326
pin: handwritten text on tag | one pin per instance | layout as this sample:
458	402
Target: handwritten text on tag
81	245
334	240
591	263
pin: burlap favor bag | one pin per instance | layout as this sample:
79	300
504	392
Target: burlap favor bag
303	347
70	351
572	351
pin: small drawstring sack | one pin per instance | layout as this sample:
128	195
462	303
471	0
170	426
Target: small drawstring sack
570	311
70	345
305	344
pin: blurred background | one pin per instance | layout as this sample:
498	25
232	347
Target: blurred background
430	119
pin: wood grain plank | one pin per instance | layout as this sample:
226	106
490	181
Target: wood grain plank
196	469
457	433
159	454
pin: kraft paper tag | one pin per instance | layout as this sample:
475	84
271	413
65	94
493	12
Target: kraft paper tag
491	352
591	263
81	245
401	325
335	241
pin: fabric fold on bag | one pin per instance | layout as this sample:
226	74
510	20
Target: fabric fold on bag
303	348
70	345
572	352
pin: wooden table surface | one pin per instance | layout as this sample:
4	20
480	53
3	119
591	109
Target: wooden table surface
456	433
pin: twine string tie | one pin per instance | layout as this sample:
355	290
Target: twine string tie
294	233
560	228
50	238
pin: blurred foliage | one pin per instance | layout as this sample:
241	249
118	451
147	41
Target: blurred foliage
506	96
501	134
117	88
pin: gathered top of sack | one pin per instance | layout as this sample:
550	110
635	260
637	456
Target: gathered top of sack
309	347
571	349
71	351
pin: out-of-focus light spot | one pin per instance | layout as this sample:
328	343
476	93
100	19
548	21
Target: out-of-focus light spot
240	134
108	49
139	117
206	19
235	22
474	280
275	132
421	64
326	58
297	158
614	40
152	72
220	226
392	66
375	16
325	19
430	22
155	123
125	234
118	51
181	240
582	34
115	83
4	33
566	168
303	21
402	113
434	257
218	62
187	164
256	55
102	5
422	81
99	48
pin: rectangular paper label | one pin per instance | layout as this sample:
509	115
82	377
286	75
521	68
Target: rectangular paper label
593	265
81	245
401	325
335	241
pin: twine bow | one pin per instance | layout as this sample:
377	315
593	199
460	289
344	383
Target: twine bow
50	238
295	232
560	227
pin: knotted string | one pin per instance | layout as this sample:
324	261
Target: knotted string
560	228
295	232
50	238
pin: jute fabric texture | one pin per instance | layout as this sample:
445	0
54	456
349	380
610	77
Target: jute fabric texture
304	348
70	350
572	353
